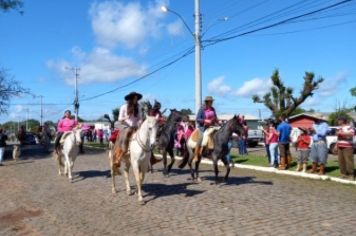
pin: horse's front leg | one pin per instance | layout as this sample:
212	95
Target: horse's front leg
197	163
164	157
138	176
227	167
171	154
126	174
216	170
59	163
68	166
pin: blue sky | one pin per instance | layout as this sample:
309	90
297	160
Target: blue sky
115	42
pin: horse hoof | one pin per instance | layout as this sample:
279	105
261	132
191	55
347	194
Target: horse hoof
198	180
113	191
130	193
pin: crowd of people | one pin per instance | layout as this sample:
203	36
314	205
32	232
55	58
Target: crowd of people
311	146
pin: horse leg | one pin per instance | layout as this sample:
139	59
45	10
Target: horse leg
137	174
112	169
197	163
171	154
227	166
68	166
216	170
190	162
126	174
164	156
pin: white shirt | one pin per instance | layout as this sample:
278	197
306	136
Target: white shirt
130	120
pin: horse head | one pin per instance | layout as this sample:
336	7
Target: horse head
236	125
77	135
152	126
175	116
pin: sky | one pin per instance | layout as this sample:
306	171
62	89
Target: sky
116	43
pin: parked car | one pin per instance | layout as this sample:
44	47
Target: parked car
331	139
254	137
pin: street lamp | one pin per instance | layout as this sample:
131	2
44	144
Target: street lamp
197	40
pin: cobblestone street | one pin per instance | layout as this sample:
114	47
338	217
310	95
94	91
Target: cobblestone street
36	201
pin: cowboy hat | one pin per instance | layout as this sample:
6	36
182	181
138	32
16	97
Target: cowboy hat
208	99
133	94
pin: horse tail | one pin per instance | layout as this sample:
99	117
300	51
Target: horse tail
185	159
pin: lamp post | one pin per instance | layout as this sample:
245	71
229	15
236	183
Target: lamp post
197	40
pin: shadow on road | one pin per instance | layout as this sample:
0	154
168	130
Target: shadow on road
239	180
155	190
93	174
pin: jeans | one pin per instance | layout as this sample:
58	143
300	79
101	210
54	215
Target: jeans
273	150
242	147
228	156
2	151
319	152
268	153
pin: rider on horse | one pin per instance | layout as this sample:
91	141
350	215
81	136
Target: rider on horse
130	117
206	118
67	123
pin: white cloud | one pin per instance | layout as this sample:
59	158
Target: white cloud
217	87
130	24
255	86
98	66
175	28
330	86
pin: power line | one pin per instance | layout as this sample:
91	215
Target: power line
214	41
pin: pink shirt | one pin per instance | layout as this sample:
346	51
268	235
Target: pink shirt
272	137
66	124
209	114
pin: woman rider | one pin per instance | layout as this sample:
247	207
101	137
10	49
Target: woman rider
130	117
206	117
67	123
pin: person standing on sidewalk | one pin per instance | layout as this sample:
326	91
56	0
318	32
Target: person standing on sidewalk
265	131
273	144
3	138
303	143
283	129
345	134
319	149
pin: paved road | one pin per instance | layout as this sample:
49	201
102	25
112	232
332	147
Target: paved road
35	201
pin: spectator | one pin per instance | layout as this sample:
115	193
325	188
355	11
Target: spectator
345	134
283	131
265	137
273	144
319	150
101	136
303	144
242	145
3	138
21	135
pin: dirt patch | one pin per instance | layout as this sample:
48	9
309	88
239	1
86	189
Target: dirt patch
14	218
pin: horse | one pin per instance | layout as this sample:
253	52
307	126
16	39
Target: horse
140	150
166	139
220	137
44	138
69	151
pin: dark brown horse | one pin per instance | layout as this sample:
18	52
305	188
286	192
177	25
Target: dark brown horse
221	138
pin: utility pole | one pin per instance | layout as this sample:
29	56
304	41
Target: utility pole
41	97
76	99
197	37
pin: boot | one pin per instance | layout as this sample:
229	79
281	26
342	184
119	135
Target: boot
289	161
322	169
313	169
282	166
299	167
305	167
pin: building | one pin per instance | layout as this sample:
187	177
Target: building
304	120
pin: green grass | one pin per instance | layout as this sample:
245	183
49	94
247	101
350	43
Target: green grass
332	167
96	145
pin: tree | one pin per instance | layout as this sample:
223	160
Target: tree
353	91
6	5
186	111
8	88
281	101
297	111
115	114
332	119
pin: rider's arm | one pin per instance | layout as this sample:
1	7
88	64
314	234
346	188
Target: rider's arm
200	117
60	125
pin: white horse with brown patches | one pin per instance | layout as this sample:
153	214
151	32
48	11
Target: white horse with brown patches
70	142
138	156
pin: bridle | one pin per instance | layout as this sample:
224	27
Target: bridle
142	144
